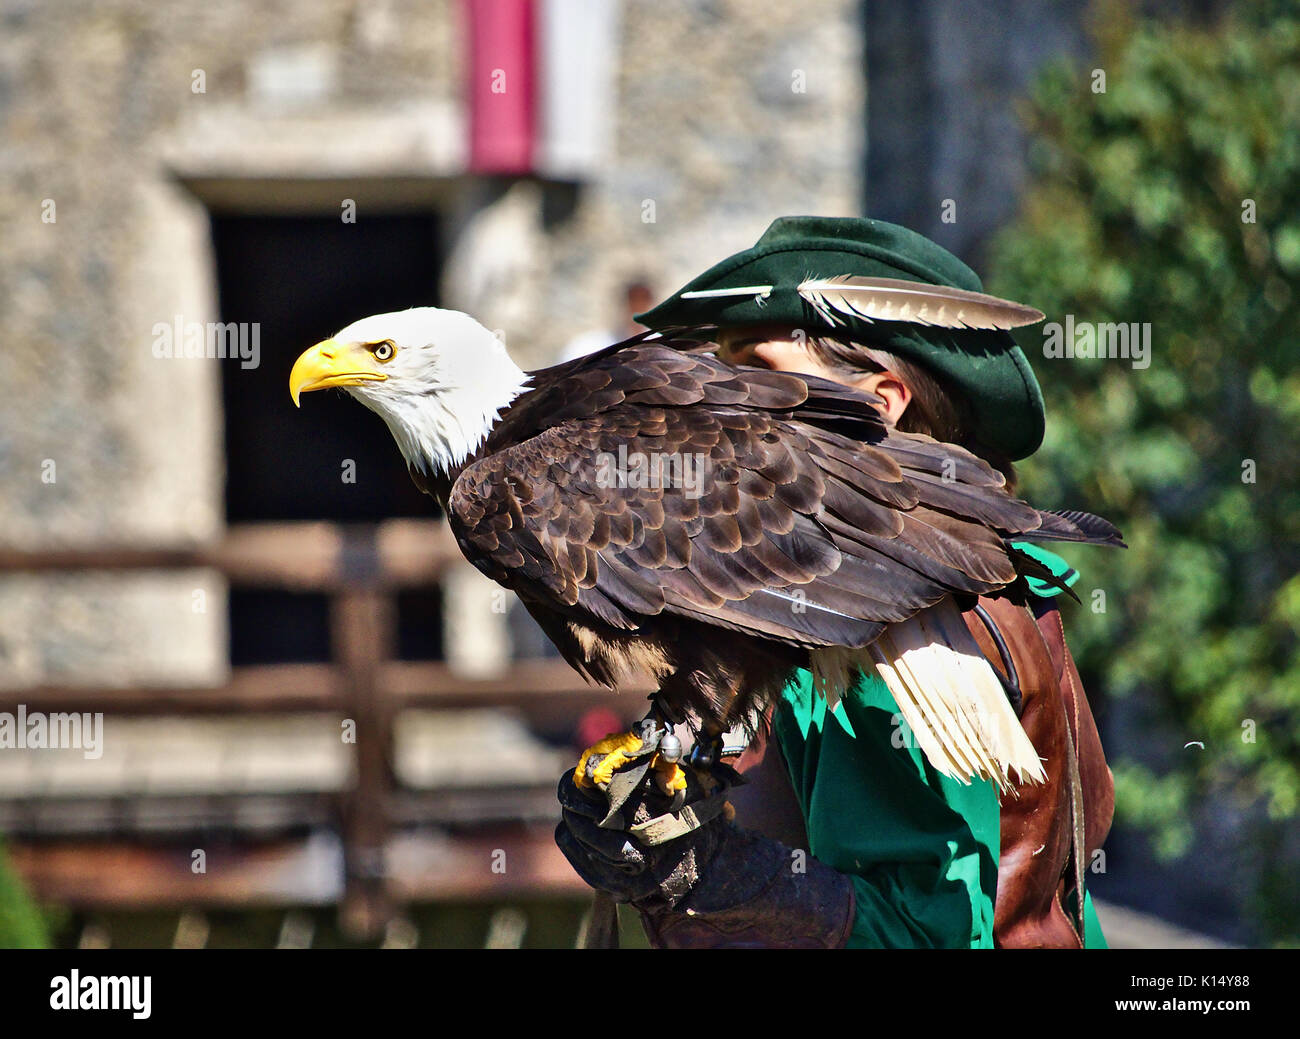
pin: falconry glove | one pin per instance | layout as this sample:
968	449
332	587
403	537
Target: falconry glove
630	862
717	886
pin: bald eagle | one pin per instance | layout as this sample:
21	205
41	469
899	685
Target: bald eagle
720	527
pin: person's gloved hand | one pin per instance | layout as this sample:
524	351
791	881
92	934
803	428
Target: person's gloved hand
618	863
717	886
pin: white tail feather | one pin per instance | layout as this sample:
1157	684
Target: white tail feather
946	691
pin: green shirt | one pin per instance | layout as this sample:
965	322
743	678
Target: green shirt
921	848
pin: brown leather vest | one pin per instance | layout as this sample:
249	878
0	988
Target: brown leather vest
1037	862
1039	859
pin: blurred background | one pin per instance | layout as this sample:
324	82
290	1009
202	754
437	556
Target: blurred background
318	728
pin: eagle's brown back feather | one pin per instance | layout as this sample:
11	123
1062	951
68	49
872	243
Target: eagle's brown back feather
816	524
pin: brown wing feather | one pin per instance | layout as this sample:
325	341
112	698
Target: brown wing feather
806	497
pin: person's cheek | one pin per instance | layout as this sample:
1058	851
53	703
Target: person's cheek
788	357
775	356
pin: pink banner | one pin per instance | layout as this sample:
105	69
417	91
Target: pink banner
502	86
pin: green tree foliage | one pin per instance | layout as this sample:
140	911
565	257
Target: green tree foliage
21	924
1173	198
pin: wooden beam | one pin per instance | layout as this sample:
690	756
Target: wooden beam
539	688
130	875
415	552
434	684
298	556
134	875
266	689
363	636
258	816
302	556
107	557
485	865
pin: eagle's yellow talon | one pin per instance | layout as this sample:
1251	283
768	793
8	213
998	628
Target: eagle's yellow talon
669	775
613	752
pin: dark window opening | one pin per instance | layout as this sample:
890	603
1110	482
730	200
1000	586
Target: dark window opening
419	624
300	279
268	626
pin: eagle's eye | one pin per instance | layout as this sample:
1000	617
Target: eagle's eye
384	351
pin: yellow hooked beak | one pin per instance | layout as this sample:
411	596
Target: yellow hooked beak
332	363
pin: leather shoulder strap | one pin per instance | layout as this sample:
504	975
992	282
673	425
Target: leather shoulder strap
1094	774
1038	822
1078	848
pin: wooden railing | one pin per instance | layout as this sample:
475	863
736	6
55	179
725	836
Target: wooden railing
360	569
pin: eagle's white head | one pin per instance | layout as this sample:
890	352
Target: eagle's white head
438	378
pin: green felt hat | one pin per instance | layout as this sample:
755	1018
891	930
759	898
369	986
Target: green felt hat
849	276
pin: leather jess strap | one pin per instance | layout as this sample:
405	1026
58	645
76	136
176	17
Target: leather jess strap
671	825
